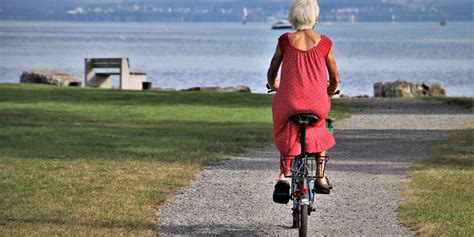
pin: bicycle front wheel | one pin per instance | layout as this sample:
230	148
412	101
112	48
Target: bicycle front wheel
303	220
296	218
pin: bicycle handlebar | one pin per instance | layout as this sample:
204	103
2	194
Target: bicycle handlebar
269	90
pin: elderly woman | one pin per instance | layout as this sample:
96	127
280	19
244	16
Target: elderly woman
306	59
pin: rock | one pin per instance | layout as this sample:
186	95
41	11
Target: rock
427	89
394	89
245	89
50	77
378	89
162	89
200	89
408	89
347	96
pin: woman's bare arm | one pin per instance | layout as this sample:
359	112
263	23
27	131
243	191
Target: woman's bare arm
333	73
272	73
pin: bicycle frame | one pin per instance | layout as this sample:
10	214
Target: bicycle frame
303	176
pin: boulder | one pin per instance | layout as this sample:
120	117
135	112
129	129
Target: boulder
50	77
408	89
162	89
245	89
427	89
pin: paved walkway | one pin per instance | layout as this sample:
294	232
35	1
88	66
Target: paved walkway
373	154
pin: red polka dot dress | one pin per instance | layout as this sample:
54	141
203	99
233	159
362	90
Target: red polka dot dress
303	89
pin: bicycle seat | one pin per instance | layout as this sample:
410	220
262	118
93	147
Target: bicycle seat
304	118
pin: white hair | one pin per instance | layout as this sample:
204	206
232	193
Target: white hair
304	14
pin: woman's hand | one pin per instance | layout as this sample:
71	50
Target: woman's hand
275	86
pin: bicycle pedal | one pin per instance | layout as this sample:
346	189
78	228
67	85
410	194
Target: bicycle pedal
323	191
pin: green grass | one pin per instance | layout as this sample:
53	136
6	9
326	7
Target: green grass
77	161
466	102
440	194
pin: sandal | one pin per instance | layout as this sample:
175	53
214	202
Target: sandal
320	188
281	194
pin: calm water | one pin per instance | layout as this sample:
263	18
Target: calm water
182	55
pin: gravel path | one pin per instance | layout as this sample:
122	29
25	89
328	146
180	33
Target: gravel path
373	154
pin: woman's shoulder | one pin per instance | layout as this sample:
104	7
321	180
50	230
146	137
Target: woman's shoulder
326	42
283	39
326	38
284	36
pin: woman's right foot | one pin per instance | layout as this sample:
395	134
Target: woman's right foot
325	181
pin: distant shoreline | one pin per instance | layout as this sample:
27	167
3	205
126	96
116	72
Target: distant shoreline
222	22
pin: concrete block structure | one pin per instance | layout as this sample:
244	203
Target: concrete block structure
128	80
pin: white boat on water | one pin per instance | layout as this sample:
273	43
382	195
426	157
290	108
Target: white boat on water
443	22
283	24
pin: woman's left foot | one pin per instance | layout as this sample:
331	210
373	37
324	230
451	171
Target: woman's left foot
281	194
321	187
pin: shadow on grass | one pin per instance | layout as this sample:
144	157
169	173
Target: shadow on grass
439	193
456	153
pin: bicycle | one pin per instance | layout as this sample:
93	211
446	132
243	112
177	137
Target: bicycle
303	173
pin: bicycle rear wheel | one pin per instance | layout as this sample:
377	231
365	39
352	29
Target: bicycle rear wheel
303	220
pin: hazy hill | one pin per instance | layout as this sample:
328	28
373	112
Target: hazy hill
231	10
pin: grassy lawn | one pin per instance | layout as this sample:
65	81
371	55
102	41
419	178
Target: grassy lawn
77	161
440	194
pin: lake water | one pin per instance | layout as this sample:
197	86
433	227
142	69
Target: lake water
183	55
